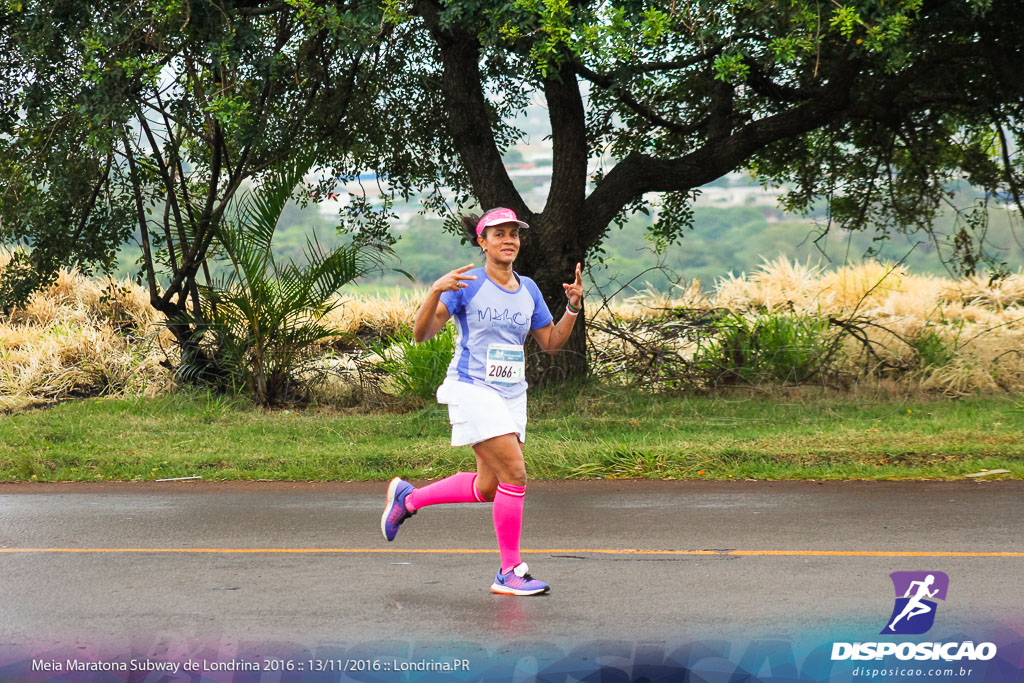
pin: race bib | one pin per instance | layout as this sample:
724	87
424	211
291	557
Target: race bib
506	364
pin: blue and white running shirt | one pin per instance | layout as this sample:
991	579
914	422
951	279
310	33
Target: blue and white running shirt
489	320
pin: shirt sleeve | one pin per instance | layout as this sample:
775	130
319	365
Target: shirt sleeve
453	301
541	314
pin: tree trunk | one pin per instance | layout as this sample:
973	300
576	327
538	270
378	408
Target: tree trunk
553	245
549	255
195	365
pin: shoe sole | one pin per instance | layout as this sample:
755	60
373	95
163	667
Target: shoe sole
505	590
392	489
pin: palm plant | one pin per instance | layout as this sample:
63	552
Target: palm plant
263	320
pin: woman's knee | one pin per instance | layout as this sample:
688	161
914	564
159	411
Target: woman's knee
515	476
503	458
487	489
488	486
486	482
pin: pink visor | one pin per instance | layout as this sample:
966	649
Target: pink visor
497	217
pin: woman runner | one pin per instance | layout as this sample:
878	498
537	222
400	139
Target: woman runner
485	390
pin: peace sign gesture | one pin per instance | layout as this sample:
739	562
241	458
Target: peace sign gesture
453	281
574	291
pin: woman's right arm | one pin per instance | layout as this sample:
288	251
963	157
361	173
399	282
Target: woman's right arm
433	314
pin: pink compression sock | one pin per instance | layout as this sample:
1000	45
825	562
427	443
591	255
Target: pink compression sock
508	522
458	488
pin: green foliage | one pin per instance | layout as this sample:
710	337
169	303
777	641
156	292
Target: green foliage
17	282
731	68
120	117
261	321
864	101
417	368
768	347
933	349
677	215
620	461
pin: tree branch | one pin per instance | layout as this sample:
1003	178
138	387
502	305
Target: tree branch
169	188
626	71
645	112
568	147
92	200
147	253
638	173
175	157
763	85
260	11
469	119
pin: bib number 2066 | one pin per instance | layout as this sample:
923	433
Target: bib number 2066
506	364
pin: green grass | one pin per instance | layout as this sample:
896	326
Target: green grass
591	432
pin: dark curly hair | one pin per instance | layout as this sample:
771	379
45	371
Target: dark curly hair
469	222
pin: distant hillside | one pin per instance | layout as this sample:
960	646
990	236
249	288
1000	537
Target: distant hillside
732	239
737	225
723	240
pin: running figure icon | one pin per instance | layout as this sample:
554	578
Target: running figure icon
915	606
916	595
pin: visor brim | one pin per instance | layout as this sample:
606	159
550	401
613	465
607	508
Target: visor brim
520	224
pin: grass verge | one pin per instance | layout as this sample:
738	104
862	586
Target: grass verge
591	433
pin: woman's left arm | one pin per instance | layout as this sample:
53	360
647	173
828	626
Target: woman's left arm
552	337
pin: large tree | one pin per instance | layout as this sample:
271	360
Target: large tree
127	119
876	106
110	111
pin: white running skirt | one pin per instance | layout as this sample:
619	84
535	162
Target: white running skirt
480	413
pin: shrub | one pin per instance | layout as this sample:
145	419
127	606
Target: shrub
417	368
769	347
933	350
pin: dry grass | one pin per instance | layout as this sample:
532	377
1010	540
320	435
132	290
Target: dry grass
980	324
84	336
387	315
81	337
652	303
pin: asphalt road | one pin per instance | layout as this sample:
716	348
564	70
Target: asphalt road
302	566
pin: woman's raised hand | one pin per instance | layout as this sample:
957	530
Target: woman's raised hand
453	281
574	291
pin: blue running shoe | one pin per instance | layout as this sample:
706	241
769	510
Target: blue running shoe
518	581
395	511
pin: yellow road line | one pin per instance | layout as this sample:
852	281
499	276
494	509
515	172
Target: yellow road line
871	553
547	551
